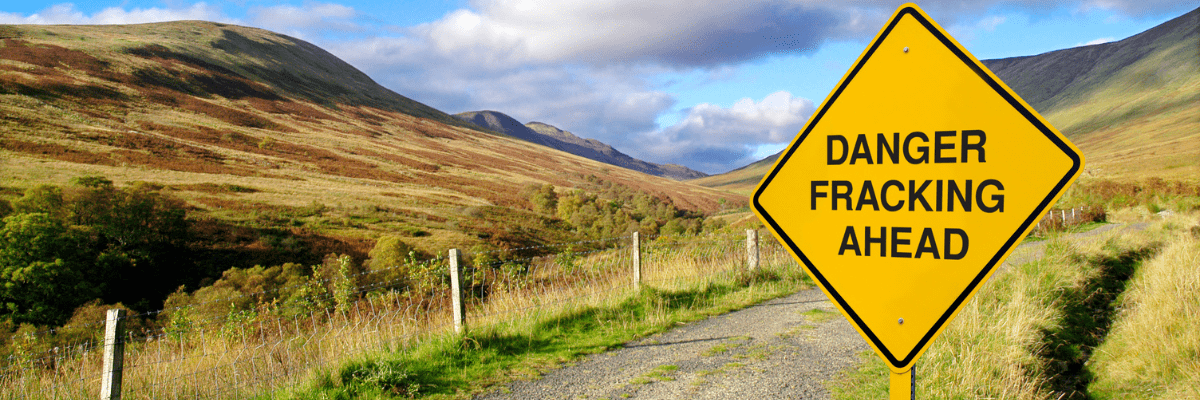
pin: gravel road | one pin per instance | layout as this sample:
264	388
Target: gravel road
781	349
787	348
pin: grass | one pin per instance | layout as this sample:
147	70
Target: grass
1153	350
394	338
724	347
817	315
1031	332
483	360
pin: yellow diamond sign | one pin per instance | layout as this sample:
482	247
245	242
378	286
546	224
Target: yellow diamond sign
911	184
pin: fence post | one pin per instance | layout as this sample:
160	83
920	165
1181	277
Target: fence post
752	249
1073	219
460	309
114	355
637	261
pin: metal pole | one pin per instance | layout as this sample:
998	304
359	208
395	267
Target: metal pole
903	386
114	355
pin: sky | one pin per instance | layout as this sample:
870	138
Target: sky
711	85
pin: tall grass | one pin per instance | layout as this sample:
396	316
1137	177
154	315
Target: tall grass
247	353
1029	330
1153	351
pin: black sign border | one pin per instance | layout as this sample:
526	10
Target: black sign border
1004	93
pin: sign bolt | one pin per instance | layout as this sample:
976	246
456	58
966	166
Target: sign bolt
906	49
901	321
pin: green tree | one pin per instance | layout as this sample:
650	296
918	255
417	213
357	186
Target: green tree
43	270
389	252
45	199
139	236
545	199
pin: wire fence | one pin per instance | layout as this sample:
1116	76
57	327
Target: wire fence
216	350
1061	219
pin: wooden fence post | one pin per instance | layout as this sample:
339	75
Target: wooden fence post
752	249
460	309
114	355
637	261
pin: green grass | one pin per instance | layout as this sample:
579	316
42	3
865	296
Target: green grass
1030	331
725	347
487	358
660	373
1153	351
817	315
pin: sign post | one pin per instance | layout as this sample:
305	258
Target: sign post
911	184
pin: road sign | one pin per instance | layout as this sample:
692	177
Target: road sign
912	183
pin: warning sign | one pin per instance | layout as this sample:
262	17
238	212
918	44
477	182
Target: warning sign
911	184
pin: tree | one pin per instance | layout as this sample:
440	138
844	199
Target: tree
545	199
43	270
45	199
139	236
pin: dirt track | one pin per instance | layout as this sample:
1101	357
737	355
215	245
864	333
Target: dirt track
781	349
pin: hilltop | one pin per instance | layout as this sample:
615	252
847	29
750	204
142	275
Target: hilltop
274	136
553	137
1130	105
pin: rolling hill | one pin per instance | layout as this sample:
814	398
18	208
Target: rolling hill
551	136
263	130
1132	106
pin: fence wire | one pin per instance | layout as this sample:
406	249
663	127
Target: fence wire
214	349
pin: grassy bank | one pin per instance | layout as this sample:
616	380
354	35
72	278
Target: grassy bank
485	358
1031	331
1153	351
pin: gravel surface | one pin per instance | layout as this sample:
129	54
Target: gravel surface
787	348
781	349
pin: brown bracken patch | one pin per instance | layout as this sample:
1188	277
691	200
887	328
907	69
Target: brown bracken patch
56	151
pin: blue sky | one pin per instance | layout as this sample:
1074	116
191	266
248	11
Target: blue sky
711	85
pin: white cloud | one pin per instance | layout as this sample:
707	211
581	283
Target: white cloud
990	23
309	20
67	14
1136	8
1096	41
716	139
680	33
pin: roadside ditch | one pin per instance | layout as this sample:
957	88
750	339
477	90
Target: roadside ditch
1089	311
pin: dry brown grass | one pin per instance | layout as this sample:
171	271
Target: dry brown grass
1153	350
246	353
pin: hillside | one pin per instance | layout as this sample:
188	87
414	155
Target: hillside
742	180
550	136
265	131
1130	105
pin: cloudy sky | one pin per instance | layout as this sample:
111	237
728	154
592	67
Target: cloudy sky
712	85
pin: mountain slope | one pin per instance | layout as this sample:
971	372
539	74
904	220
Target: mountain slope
550	136
252	126
1131	106
742	180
